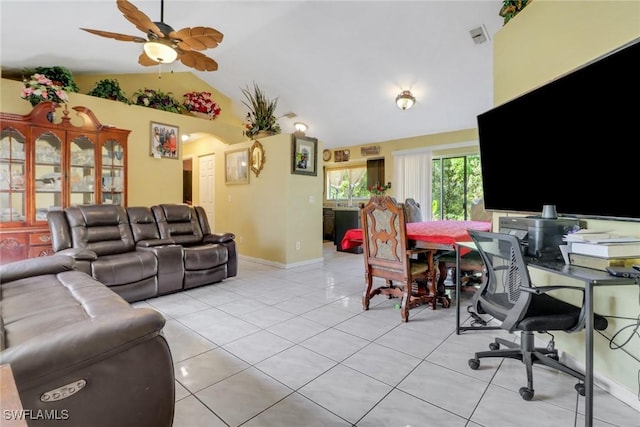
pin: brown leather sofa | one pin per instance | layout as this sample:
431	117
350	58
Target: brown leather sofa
142	252
80	354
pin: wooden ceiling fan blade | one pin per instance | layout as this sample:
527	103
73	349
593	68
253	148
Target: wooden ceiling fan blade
139	19
117	36
145	61
198	61
197	38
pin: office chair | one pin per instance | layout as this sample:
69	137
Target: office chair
509	296
387	256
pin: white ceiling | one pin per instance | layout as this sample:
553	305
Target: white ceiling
337	64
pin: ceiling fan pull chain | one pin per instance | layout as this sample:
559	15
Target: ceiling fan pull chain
159	70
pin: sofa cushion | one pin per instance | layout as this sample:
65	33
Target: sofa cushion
103	229
204	257
126	268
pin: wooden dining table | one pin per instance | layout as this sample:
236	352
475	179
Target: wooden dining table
437	236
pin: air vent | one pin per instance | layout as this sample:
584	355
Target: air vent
479	35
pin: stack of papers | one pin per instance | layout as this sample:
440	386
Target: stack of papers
591	236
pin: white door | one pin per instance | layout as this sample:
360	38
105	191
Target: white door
207	185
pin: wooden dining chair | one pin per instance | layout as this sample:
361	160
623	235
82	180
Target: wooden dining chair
387	256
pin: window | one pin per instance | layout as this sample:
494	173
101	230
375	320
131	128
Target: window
456	187
346	183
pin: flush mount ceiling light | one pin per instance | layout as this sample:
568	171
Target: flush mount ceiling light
405	100
300	127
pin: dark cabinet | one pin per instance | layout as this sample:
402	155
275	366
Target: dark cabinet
375	172
346	219
328	224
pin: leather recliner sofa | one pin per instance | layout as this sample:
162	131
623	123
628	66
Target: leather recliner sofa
79	353
142	252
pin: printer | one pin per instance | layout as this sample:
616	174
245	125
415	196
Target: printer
539	237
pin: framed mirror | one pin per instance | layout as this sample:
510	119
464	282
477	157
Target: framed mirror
257	157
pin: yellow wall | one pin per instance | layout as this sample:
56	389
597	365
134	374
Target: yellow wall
546	40
271	213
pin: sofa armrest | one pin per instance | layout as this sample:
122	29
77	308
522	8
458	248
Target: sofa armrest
35	267
80	344
79	254
218	237
154	242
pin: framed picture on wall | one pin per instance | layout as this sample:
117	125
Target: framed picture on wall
164	141
236	166
304	158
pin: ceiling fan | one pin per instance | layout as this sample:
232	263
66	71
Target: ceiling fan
163	44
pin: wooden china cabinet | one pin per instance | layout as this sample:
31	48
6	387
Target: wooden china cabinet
48	164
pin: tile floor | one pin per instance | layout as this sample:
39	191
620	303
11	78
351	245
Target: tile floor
289	348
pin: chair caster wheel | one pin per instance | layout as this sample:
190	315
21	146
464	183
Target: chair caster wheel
494	346
526	393
474	364
580	389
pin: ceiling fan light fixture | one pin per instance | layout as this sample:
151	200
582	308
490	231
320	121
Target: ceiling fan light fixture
405	100
160	51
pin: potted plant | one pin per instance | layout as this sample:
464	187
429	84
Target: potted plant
39	87
60	76
109	89
261	116
157	99
511	8
201	104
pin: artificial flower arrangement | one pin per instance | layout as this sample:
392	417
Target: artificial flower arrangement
156	99
39	88
378	189
201	102
261	116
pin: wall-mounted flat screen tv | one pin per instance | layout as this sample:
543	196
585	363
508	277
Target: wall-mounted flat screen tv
573	142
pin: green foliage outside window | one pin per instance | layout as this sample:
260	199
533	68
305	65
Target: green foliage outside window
456	184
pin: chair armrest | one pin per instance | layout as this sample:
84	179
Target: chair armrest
79	254
35	267
154	242
544	289
218	237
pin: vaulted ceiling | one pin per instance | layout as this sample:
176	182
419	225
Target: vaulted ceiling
338	65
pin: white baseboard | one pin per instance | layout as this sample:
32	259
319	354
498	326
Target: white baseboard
279	264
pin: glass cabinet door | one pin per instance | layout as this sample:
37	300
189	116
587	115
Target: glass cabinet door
112	172
82	170
12	176
48	174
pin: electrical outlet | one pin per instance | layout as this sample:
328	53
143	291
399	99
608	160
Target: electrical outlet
240	239
297	245
312	200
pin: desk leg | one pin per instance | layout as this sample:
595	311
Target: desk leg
588	376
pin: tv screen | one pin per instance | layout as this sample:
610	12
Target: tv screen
573	143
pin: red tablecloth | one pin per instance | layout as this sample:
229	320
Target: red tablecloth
441	232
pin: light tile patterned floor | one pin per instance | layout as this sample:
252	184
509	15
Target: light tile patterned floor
289	348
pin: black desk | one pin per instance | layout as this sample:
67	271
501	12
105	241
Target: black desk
590	277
